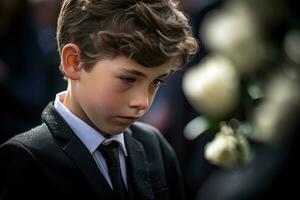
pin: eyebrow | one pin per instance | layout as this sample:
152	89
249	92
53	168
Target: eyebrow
141	74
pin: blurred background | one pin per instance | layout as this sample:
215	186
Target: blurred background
245	75
29	75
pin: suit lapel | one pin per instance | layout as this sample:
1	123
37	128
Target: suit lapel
86	163
76	150
140	180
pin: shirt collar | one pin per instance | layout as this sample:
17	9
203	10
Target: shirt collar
90	137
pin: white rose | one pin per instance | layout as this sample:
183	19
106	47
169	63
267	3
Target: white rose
228	149
233	32
275	116
212	87
292	45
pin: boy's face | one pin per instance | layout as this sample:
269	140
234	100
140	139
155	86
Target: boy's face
115	93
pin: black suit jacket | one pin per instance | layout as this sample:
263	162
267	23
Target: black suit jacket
51	162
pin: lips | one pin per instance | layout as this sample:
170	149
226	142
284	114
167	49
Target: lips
127	119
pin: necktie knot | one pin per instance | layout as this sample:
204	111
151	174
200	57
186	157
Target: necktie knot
110	145
110	153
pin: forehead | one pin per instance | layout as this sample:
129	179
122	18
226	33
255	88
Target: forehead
127	65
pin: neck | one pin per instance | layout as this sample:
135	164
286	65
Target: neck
70	102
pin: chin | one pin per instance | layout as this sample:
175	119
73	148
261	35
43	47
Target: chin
114	131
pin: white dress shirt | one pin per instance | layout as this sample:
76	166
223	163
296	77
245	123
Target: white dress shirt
92	138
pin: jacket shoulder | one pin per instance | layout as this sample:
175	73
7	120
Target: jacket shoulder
145	133
147	129
37	138
33	137
19	160
39	142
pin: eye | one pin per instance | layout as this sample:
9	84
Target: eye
158	82
128	80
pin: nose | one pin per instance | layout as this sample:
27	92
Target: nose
140	101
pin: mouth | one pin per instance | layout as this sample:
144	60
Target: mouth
127	119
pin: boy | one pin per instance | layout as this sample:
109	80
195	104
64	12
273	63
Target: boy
114	54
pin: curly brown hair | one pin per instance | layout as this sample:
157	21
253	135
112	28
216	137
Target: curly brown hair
151	32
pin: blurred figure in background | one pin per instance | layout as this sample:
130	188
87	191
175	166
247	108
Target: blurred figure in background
28	62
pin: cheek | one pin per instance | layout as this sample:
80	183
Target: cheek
111	101
102	96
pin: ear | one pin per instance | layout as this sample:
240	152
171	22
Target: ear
70	61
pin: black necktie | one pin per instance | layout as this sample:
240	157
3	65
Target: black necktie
110	153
